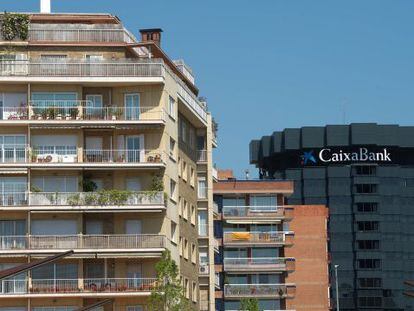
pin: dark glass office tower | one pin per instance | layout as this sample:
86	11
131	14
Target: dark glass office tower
365	174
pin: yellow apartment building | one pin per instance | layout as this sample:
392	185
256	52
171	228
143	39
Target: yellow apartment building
106	150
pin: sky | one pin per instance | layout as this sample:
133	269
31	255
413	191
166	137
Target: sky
266	65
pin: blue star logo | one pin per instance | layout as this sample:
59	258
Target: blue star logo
308	157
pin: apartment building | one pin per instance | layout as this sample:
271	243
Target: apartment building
270	251
254	230
106	150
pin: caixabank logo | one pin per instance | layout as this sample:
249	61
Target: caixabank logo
361	154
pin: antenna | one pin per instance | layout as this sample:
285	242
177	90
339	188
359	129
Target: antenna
45	6
246	172
345	101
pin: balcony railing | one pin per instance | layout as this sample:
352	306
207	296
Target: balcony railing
203	229
121	156
255	237
13	154
62	286
278	291
202	156
259	264
108	241
80	35
79	110
253	211
79	68
100	198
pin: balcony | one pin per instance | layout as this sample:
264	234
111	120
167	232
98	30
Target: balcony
259	264
82	243
278	291
79	111
102	200
256	212
252	238
77	287
66	70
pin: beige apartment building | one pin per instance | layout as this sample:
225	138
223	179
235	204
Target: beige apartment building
106	150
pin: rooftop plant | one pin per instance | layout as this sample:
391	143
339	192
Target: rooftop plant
15	26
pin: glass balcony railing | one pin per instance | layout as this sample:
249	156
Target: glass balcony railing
100	198
103	241
202	156
259	264
255	211
259	238
276	291
77	286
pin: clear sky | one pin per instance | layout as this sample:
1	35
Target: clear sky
269	64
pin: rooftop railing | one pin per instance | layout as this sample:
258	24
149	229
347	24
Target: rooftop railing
103	241
278	291
62	286
81	68
65	34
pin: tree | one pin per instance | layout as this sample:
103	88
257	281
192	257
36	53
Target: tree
168	294
247	304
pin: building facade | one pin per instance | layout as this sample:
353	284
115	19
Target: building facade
364	173
100	136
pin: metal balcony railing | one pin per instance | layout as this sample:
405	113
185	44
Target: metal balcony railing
278	291
121	156
61	286
103	241
259	263
80	68
251	237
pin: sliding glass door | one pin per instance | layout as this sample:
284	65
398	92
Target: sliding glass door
132	106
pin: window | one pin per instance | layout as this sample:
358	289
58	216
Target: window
364	226
180	246
172	148
173	190
263	200
12	148
192	177
174	232
187	288
370	282
185	209
180	206
184	172
193	253
366	188
194	292
366	170
193	215
171	107
202	188
371	264
186	249
202	223
368	244
369	302
367	207
179	167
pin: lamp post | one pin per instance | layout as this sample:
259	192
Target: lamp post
337	289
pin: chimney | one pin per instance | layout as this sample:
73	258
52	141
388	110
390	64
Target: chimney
151	35
45	6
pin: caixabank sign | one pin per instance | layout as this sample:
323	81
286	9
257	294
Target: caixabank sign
340	156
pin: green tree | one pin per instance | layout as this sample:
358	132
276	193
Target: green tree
247	304
168	294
